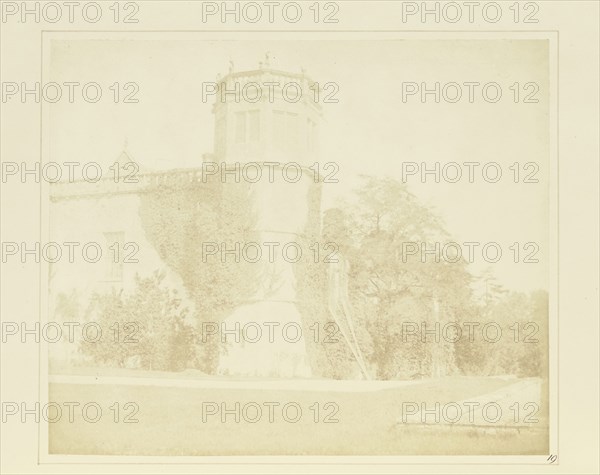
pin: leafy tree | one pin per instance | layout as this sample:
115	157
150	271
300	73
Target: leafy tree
146	328
517	341
391	284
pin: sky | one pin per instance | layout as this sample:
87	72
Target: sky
371	130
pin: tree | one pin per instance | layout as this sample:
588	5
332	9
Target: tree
517	341
389	282
146	328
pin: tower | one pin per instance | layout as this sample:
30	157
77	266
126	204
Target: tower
270	118
266	115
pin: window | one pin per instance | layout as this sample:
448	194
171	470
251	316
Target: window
285	129
254	125
220	134
279	128
240	127
247	126
115	243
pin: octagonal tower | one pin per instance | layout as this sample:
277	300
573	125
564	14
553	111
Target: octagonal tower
268	115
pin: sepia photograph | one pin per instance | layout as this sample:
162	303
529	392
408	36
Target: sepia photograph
284	242
299	237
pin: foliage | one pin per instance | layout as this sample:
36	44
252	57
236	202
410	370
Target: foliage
522	348
388	286
178	220
146	329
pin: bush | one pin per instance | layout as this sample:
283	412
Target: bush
147	328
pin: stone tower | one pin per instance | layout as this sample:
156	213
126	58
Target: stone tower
266	116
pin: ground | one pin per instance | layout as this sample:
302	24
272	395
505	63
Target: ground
359	422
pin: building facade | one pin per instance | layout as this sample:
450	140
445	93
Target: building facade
266	121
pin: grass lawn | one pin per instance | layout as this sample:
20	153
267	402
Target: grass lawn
171	422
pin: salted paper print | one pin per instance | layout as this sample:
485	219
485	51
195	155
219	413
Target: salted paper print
299	237
287	247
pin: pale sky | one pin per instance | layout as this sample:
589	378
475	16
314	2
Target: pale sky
370	131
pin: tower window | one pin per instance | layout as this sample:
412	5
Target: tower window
285	129
247	126
254	125
220	134
240	127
